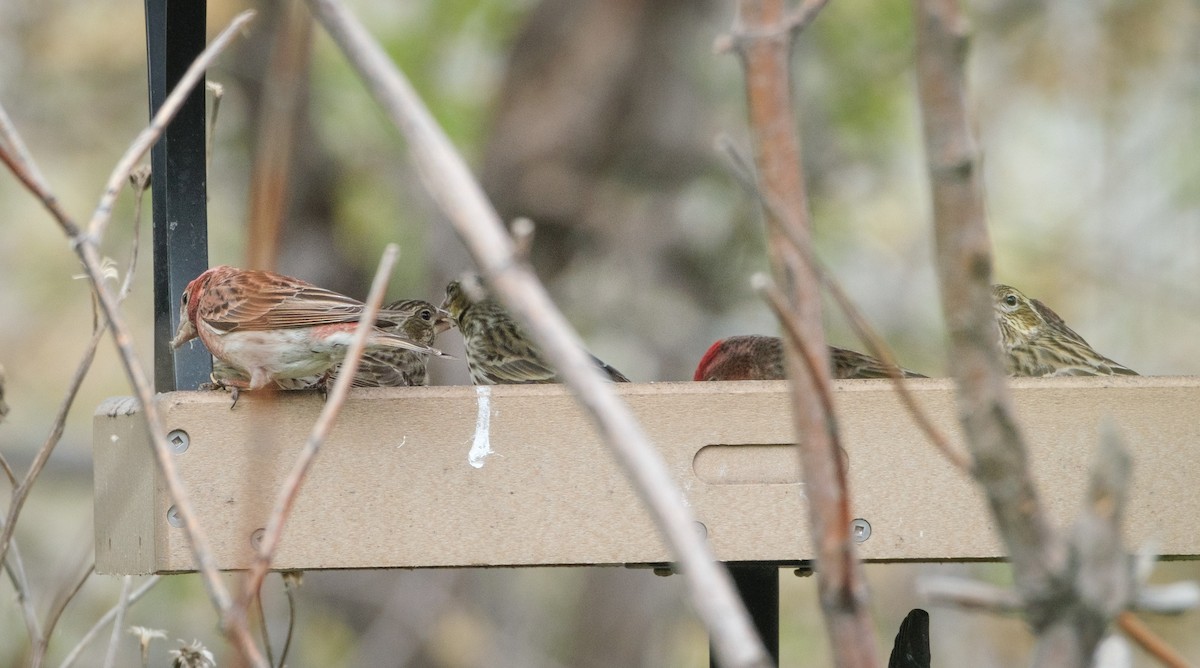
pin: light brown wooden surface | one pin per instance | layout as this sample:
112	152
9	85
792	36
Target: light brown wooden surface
394	487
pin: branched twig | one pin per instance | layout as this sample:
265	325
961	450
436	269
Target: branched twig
86	247
15	567
218	92
333	405
460	197
56	611
147	137
763	39
262	627
119	622
744	173
1147	639
91	634
291	580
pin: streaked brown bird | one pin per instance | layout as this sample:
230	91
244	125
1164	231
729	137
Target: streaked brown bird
1036	341
499	352
755	357
415	319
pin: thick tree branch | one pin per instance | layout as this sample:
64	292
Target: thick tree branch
763	37
458	194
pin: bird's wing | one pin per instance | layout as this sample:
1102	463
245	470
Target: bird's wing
260	300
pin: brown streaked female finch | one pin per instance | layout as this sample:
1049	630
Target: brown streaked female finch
415	319
755	357
1037	342
272	327
498	350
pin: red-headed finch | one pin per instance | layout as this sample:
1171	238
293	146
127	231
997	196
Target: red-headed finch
417	320
498	350
1036	341
272	327
756	357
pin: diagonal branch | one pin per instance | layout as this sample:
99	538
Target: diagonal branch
85	247
763	35
320	431
460	197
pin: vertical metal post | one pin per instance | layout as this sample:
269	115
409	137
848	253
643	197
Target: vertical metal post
174	37
758	585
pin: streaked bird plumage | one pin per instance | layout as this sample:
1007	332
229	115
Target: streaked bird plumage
272	327
417	320
499	352
1037	342
755	357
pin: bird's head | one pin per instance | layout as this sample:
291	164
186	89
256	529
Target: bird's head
1015	314
416	319
189	304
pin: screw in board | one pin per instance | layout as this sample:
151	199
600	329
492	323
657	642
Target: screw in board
179	440
256	538
860	529
173	517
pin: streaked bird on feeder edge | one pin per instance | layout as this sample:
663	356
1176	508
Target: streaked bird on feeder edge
499	351
1037	342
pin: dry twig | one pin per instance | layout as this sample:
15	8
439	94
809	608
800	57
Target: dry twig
86	247
320	431
763	36
105	619
460	197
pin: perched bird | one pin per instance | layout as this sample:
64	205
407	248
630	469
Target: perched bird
1036	341
3	406
498	350
756	357
272	327
417	320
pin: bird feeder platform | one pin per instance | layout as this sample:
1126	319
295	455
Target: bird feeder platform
518	476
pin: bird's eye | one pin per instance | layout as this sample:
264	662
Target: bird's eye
1011	300
426	314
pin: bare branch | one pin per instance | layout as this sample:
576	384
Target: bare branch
744	173
764	34
320	431
15	567
460	197
964	270
119	622
107	617
170	106
86	248
1155	646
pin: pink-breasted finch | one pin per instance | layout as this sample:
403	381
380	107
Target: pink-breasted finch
755	357
415	319
499	352
1037	342
273	327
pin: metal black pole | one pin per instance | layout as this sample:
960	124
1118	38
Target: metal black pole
174	37
758	585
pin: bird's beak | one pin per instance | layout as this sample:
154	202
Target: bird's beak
443	321
185	333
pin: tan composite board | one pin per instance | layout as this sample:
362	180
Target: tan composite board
394	485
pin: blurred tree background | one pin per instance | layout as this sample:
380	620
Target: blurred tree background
597	119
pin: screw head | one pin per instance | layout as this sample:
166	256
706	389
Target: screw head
256	538
860	530
178	440
701	529
173	517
